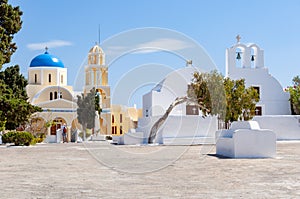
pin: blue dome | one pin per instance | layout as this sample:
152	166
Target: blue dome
46	60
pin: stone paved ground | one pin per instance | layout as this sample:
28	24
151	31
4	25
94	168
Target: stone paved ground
100	170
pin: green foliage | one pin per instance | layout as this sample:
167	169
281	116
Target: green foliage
19	138
10	24
38	138
9	137
240	101
15	81
295	95
207	89
229	99
97	103
87	105
2	121
14	108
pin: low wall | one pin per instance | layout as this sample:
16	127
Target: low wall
286	127
182	130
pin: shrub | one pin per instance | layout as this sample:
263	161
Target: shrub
108	137
18	138
38	138
9	137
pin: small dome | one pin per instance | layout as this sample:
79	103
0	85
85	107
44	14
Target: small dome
96	49
46	60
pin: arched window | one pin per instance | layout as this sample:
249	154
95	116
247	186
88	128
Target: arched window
253	57
61	79
55	95
121	130
101	60
51	96
49	78
35	78
239	58
112	119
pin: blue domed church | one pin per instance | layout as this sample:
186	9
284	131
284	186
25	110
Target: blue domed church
47	88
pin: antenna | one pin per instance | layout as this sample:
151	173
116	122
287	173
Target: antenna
99	34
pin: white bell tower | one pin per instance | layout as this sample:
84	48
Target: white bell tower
243	56
247	61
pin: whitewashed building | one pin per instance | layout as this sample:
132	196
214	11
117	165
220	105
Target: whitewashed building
247	61
184	124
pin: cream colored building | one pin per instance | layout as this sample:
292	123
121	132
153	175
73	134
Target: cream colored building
114	119
47	88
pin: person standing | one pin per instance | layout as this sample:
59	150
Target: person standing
64	133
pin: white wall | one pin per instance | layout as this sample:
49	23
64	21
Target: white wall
286	127
189	129
174	85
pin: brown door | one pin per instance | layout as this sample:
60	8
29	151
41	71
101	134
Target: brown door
54	127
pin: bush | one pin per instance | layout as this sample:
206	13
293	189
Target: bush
9	137
38	138
108	137
18	138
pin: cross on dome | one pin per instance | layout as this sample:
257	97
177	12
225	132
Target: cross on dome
238	38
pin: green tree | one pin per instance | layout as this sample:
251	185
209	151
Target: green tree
295	95
17	83
228	99
10	24
15	108
240	101
86	112
208	90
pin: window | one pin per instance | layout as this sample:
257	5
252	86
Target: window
35	78
121	118
112	119
257	90
61	79
192	110
60	95
51	96
112	130
55	95
121	130
258	110
49	78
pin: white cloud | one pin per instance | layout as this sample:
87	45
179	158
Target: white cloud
49	44
161	45
157	45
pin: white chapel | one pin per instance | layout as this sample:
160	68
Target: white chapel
247	61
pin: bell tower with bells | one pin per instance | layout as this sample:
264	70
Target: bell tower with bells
243	56
246	61
96	76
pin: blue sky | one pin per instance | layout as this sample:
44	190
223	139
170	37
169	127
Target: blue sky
71	27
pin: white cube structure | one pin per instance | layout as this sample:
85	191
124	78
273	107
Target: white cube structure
246	140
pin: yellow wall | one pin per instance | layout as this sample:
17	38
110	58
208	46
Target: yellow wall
129	120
